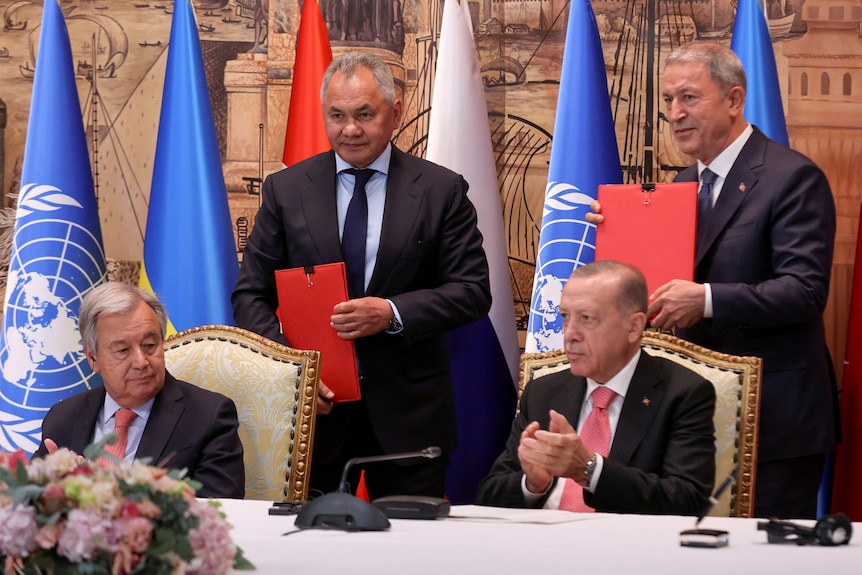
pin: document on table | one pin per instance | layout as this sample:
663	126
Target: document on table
481	513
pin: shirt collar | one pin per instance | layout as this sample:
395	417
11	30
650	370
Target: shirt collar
621	381
111	407
724	161
381	164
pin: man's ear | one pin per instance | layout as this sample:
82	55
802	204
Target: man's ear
91	359
736	97
637	324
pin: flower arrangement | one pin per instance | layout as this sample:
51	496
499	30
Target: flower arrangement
65	514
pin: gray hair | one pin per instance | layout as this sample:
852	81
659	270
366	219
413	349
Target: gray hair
632	295
110	298
349	62
722	64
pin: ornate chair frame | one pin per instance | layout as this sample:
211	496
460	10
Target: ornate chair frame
275	391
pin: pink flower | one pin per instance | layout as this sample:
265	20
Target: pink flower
48	536
10	460
149	509
18	536
53	499
130	509
214	550
86	533
137	533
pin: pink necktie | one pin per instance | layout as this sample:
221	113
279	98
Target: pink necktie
596	435
122	419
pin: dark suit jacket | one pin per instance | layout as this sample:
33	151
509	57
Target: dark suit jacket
188	428
430	263
768	255
662	459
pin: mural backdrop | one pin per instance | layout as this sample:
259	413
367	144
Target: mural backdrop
120	49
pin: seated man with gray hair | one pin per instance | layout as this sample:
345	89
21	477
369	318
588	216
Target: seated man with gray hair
173	423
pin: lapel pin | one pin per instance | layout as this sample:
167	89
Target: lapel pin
742	187
646	401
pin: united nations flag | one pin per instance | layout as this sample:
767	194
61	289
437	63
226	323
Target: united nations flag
57	254
583	155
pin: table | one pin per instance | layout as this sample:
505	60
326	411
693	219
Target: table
594	544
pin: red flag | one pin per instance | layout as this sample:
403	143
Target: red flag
305	135
848	460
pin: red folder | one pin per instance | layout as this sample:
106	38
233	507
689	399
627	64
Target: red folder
306	297
652	227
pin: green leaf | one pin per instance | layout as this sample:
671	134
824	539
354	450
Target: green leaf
240	563
97	449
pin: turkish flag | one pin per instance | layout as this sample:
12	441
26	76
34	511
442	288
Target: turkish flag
305	135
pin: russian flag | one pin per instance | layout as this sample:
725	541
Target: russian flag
484	354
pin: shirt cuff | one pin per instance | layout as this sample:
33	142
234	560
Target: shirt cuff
531	498
707	304
397	317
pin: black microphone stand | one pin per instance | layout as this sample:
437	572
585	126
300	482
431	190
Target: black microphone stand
346	512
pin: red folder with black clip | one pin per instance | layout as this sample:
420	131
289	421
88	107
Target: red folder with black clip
306	297
650	226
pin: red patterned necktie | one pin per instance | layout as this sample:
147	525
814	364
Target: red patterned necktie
596	435
122	420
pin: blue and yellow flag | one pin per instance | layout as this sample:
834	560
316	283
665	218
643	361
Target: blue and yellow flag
57	254
190	258
583	155
753	45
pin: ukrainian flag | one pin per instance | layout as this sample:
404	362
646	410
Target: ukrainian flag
190	258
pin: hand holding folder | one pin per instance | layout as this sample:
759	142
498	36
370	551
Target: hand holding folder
306	298
650	226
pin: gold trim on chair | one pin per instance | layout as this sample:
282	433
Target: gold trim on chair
275	391
737	382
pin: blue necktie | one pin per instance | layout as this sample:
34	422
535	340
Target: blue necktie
704	199
355	231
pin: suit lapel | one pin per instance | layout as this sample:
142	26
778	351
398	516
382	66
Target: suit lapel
642	403
402	208
167	410
317	196
740	182
576	389
83	429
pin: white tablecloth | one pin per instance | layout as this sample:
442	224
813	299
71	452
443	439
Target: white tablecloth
596	544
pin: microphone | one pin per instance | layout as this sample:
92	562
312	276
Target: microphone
428	452
345	512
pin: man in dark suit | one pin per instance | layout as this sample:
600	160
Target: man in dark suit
424	273
661	458
763	263
175	424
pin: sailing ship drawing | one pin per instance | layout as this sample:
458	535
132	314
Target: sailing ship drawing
11	22
111	39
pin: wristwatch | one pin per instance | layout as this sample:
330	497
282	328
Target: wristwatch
395	325
589	469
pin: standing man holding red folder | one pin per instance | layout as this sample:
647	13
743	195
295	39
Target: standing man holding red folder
421	273
765	237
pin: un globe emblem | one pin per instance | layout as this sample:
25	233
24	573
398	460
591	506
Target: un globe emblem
567	241
54	263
